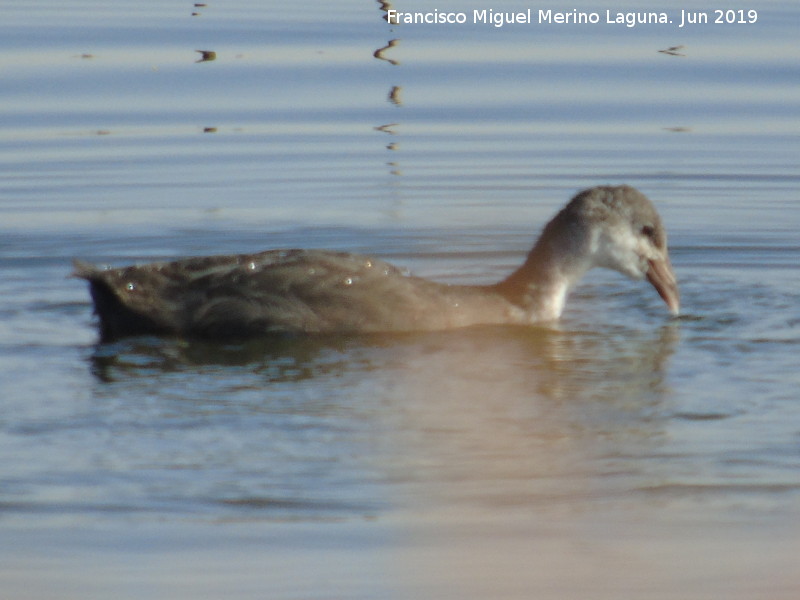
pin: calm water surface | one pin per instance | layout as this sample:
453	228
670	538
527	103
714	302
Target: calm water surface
622	454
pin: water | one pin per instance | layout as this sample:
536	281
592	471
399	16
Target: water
620	455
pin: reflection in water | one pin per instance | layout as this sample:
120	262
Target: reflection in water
464	366
673	51
379	53
393	146
394	165
395	98
626	362
276	359
527	417
394	95
524	425
489	416
385	6
388	128
206	56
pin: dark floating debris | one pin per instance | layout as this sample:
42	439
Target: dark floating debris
394	95
673	51
379	52
206	56
388	128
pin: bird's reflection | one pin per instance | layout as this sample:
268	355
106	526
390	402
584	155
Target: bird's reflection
279	358
485	416
562	365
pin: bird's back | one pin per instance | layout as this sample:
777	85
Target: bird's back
303	291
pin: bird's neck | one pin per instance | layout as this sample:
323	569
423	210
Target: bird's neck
554	265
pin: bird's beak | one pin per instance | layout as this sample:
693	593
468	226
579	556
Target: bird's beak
662	277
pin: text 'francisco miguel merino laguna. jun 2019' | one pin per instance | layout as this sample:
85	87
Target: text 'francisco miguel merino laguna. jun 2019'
546	16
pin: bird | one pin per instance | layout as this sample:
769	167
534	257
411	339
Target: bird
308	292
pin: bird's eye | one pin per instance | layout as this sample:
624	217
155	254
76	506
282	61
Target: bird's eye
648	231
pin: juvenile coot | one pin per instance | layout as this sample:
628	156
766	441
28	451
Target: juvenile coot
318	291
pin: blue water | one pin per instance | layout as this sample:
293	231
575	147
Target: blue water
622	454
